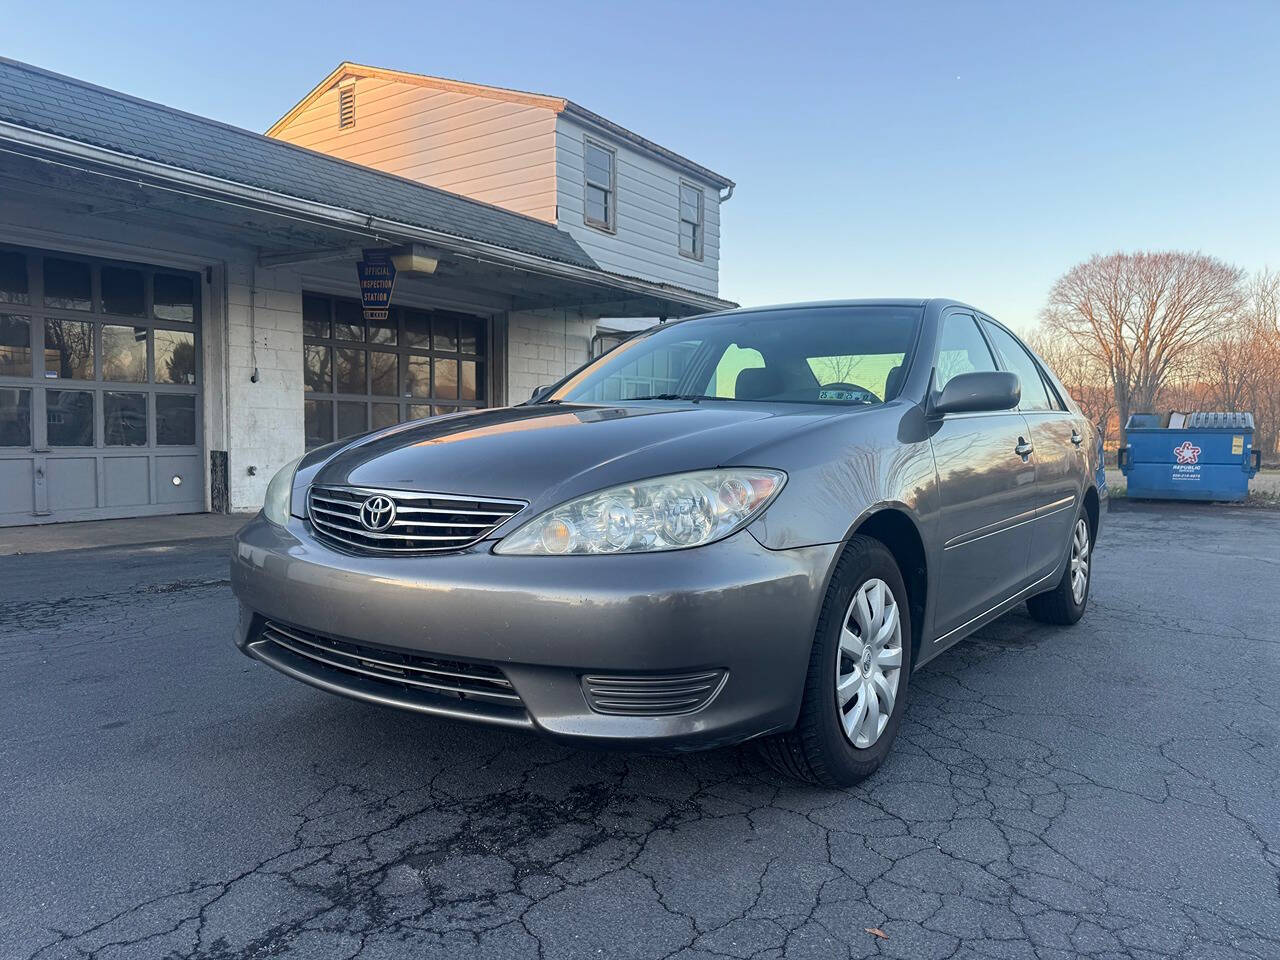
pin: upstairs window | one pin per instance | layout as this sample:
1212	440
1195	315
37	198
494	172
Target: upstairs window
347	106
600	207
690	220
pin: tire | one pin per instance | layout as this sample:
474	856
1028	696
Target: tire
818	750
1065	604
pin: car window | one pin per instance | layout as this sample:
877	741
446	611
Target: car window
1018	360
734	360
831	354
961	350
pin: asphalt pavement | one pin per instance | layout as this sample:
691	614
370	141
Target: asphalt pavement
1108	790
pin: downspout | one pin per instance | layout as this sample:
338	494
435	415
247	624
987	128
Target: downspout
726	197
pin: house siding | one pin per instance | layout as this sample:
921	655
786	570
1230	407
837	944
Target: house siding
495	151
646	241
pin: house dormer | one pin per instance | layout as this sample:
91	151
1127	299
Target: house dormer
637	208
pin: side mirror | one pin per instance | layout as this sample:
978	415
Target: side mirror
539	392
979	391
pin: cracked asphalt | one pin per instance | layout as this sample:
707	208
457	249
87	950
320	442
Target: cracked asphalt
1109	790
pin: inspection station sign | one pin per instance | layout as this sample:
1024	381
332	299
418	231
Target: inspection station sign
377	278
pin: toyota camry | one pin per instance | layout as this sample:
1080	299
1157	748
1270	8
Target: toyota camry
750	525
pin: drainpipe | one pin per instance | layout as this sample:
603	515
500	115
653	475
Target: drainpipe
726	197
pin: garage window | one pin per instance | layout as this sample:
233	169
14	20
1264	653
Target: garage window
362	376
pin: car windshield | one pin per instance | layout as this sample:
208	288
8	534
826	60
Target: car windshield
853	355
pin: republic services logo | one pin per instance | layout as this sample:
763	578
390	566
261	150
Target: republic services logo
1187	452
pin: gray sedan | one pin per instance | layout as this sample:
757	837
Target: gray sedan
751	524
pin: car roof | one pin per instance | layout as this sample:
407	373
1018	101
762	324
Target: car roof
936	302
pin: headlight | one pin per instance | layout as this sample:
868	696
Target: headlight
276	504
666	513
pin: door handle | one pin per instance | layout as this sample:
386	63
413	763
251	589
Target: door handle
1076	438
1024	449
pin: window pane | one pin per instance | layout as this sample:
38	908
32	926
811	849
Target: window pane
688	237
316	370
15	346
597	205
67	284
175	419
444	333
351	419
122	292
468	386
383	374
470	335
315	316
961	350
418	377
446	382
419	411
689	197
348	320
348	371
417	328
15	418
1017	360
383	331
175	356
124	419
70	416
124	353
13	277
599	165
68	349
318	415
175	297
385	415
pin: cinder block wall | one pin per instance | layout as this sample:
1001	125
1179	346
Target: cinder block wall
265	421
542	347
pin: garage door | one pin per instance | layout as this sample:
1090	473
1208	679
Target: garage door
362	376
99	389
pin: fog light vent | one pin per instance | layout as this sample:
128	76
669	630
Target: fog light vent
652	695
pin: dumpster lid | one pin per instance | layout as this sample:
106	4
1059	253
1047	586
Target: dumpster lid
1143	421
1220	421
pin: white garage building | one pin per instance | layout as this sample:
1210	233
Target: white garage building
179	307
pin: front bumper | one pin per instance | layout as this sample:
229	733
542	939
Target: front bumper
546	622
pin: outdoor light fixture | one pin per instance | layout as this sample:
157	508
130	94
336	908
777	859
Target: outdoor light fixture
415	258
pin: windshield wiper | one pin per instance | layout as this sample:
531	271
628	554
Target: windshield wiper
695	397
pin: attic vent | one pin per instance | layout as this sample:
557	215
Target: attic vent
347	106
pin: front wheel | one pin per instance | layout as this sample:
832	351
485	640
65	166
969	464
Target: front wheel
1065	603
858	673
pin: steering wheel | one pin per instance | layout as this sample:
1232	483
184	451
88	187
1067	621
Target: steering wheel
850	387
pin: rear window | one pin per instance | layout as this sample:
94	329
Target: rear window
831	355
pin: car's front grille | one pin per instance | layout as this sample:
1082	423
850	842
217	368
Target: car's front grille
406	672
652	695
423	522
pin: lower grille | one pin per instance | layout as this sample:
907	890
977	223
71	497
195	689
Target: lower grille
416	523
406	672
654	695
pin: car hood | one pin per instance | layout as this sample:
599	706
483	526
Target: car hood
547	453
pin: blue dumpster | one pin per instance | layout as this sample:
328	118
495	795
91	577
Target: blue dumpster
1209	457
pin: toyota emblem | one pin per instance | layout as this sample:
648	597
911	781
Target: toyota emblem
377	513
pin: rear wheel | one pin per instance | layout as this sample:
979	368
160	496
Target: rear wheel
858	672
1065	603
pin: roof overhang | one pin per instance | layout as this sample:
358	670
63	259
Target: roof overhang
610	289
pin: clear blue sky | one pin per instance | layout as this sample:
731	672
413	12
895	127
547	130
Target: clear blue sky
940	149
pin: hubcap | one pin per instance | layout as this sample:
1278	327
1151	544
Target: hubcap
868	663
1080	560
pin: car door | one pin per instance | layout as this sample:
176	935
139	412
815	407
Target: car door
986	487
1057	437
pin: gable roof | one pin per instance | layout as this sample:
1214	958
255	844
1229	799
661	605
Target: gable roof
555	104
51	103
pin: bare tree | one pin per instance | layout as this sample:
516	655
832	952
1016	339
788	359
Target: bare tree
1142	316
